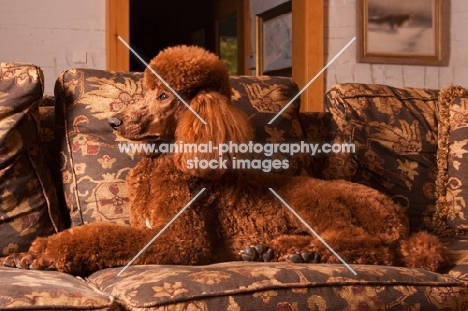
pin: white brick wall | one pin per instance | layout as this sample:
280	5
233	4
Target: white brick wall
49	32
340	27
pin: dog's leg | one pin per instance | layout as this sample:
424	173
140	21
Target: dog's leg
359	223
351	244
89	248
82	250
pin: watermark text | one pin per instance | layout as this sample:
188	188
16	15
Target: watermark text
268	150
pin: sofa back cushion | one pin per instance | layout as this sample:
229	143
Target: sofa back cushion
262	98
94	168
28	198
395	136
318	130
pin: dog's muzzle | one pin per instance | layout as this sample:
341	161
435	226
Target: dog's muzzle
115	123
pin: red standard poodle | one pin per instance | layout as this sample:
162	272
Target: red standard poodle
237	208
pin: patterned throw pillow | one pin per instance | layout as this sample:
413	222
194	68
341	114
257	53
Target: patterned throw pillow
28	200
452	180
93	168
395	136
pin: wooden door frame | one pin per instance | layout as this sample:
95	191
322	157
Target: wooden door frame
117	24
308	46
308	50
225	8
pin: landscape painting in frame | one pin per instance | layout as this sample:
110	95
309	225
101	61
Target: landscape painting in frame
402	32
274	41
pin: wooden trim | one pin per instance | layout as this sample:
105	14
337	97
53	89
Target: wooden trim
117	24
247	37
307	38
241	36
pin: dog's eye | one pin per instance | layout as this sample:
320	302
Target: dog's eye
163	96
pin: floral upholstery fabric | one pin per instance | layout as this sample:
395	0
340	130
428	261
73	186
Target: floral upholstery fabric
395	136
280	286
318	127
262	98
242	286
452	159
49	290
94	168
28	201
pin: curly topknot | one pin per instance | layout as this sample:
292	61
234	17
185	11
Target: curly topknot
189	70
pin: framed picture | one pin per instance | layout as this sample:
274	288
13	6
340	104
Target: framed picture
274	41
411	32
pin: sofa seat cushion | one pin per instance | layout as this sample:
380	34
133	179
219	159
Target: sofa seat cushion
49	290
459	246
394	131
279	286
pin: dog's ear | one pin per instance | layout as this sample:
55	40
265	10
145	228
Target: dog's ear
225	124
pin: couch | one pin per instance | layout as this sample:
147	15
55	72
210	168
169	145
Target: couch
61	166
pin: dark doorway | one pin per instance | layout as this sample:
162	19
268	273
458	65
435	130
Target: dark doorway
157	24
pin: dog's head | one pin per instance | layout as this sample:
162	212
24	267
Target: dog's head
188	100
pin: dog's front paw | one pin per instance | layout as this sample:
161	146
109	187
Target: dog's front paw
17	260
27	261
257	253
11	260
35	259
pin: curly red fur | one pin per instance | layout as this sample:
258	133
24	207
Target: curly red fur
236	209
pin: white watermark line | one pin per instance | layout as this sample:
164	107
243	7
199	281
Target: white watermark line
250	147
161	79
313	232
160	232
313	79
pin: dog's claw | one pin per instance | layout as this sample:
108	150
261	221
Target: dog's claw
296	258
5	263
311	257
251	251
268	255
260	249
305	258
257	253
247	258
249	254
12	261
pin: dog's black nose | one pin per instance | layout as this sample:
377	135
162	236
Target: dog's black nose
115	123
